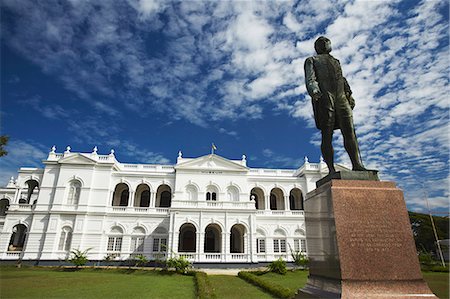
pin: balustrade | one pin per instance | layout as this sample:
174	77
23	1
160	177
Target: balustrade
213	256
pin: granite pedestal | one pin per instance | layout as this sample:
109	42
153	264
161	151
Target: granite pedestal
360	242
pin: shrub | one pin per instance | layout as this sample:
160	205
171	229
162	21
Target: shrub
300	259
140	260
203	286
440	268
180	264
278	266
79	258
276	290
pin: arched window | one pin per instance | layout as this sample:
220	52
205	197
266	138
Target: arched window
4	206
192	193
233	193
74	193
211	192
137	239
213	238
65	240
237	238
120	195
188	238
17	241
115	239
164	196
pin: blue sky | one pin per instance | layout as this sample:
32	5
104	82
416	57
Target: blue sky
150	78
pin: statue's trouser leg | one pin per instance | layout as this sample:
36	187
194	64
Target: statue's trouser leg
351	143
327	148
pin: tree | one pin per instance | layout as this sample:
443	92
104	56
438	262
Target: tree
423	230
3	142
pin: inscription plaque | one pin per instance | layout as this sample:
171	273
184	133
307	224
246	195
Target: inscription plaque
360	242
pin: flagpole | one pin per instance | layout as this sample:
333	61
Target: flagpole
434	230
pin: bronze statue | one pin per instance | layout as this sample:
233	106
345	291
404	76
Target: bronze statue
332	103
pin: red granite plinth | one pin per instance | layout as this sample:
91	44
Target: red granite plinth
360	242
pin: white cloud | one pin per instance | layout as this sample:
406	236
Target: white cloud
208	62
20	154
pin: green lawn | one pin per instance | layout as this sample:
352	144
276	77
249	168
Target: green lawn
91	283
112	283
438	283
292	279
229	287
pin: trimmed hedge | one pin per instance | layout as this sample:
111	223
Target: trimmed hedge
272	288
203	286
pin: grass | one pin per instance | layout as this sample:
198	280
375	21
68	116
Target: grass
35	282
292	279
91	283
229	287
438	283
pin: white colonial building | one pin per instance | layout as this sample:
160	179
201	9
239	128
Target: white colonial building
209	209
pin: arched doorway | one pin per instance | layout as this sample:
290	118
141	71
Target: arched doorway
4	206
31	193
296	199
213	238
120	195
237	238
142	197
257	194
187	238
163	196
276	199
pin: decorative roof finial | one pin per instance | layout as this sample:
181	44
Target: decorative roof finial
94	150
306	159
67	150
112	152
321	160
53	149
11	183
180	154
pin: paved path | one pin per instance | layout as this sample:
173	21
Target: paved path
232	272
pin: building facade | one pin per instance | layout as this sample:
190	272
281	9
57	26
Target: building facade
208	209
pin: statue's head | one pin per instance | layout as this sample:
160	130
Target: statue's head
322	45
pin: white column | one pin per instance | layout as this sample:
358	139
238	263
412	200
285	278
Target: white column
131	199
152	200
223	247
227	247
286	203
199	250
